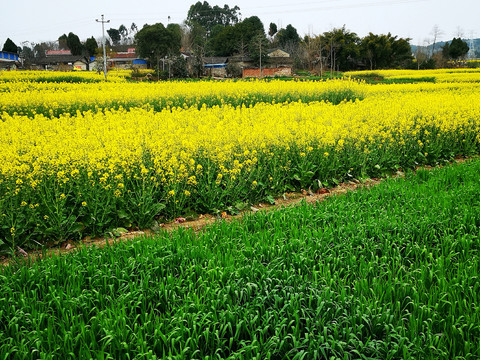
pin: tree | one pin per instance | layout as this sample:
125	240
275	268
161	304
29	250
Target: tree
223	41
10	46
178	67
312	52
341	48
289	35
229	40
114	35
456	49
62	42
74	44
436	33
207	16
157	41
123	31
91	46
133	28
258	48
385	51
272	29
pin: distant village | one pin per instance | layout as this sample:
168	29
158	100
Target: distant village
214	42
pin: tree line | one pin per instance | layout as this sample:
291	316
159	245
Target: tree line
214	31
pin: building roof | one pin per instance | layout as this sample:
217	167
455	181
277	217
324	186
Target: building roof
215	60
61	59
57	52
278	53
125	55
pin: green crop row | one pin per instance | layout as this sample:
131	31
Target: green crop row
389	272
158	104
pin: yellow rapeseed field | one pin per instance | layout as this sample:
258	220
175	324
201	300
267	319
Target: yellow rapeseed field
82	158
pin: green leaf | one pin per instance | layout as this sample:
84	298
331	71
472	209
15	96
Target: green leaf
122	214
119	231
270	199
77	227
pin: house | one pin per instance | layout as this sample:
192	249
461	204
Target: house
126	60
63	60
8	60
278	63
215	66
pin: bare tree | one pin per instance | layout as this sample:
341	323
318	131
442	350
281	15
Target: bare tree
436	33
459	33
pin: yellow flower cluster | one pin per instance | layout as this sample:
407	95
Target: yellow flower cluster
56	76
114	142
440	75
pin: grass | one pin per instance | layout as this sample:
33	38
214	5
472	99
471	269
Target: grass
389	272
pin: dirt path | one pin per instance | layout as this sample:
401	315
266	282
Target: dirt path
289	199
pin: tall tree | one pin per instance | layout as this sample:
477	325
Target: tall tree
229	40
74	44
436	33
341	48
208	16
133	28
123	31
10	46
456	49
114	36
91	46
62	42
385	51
289	35
272	29
157	41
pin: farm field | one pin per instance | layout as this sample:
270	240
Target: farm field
386	272
82	158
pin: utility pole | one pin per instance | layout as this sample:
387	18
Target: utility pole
103	41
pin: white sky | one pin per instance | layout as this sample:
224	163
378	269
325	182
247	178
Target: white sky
36	21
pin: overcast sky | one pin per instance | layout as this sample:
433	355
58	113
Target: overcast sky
36	21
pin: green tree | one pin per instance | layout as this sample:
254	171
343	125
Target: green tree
10	46
195	40
385	51
223	41
257	49
341	48
74	44
114	34
62	42
133	28
123	31
91	46
157	41
287	36
207	16
272	29
230	40
456	49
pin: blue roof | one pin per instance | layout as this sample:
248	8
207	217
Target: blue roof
215	66
5	55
